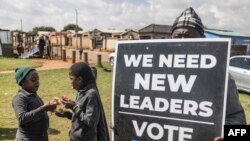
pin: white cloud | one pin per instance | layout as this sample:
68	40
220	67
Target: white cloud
121	14
231	15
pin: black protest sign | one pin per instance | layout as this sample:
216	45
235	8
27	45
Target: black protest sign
170	90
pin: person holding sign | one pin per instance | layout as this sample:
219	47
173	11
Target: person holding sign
189	25
179	88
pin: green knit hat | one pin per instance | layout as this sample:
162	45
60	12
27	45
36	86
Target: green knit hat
21	73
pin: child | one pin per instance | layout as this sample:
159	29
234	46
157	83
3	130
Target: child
31	112
87	114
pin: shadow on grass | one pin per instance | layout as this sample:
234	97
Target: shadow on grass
52	131
10	133
7	133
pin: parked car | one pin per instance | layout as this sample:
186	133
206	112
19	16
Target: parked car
239	68
111	58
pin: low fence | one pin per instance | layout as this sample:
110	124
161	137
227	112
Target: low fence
73	54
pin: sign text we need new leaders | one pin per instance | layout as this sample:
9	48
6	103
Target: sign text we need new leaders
170	90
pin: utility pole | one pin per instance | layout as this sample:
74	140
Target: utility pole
61	45
76	29
21	24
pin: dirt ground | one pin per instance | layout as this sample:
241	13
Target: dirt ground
54	64
58	64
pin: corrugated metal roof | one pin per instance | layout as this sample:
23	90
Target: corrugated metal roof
226	33
4	29
111	31
156	28
129	31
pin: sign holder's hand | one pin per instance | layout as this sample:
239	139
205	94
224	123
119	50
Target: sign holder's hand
219	139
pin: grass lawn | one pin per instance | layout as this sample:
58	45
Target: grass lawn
12	63
56	83
52	83
245	101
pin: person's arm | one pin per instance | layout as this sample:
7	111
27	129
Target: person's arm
90	117
23	115
63	113
234	113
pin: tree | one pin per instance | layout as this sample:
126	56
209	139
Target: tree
41	28
71	27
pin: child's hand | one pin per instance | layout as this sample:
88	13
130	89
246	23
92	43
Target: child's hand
49	107
56	101
69	104
63	113
64	98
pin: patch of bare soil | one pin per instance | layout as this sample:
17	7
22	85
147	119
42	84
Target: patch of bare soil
58	64
54	64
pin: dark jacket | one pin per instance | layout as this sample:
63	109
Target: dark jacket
33	121
234	112
88	118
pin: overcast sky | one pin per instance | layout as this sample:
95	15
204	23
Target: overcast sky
121	14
